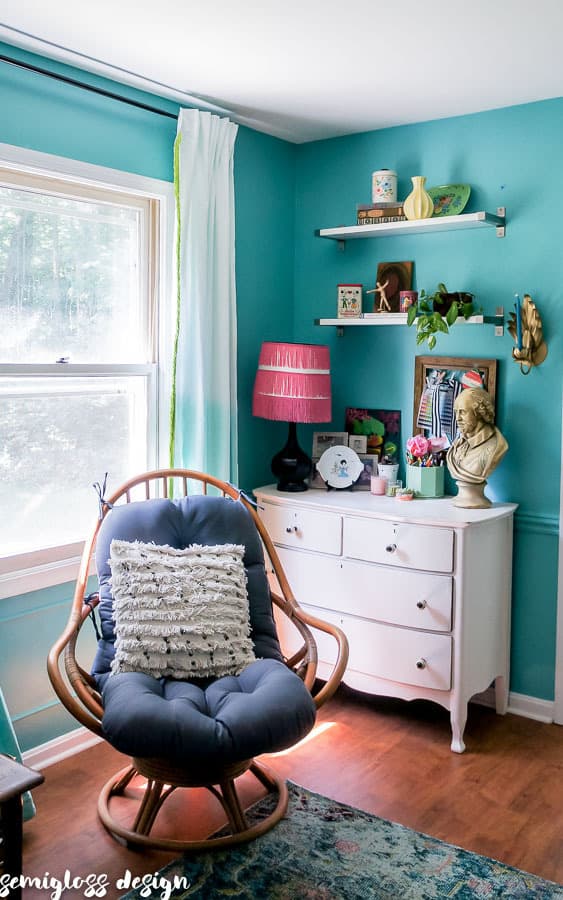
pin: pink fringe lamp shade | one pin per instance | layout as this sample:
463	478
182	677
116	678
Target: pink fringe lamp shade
292	385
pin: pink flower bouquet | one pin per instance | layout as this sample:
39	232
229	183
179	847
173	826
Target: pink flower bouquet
423	451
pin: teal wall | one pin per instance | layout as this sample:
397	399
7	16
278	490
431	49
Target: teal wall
264	209
42	114
510	157
29	626
286	278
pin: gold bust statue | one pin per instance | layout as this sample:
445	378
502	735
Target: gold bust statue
478	449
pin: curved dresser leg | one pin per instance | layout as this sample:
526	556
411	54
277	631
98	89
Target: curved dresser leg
458	718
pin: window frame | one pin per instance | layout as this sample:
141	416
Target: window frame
52	565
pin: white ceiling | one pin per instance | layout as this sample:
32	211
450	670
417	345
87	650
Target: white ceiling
310	69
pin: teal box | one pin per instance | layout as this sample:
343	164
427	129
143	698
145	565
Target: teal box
426	481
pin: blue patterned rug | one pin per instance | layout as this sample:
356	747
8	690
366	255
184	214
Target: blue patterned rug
324	850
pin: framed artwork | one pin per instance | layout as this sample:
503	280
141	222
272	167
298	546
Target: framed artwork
315	480
437	382
381	427
322	440
370	468
392	278
349	301
358	442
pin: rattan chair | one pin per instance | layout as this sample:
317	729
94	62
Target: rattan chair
81	694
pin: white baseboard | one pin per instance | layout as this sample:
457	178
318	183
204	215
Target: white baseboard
531	707
59	748
520	705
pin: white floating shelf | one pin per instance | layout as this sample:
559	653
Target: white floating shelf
417	226
391	319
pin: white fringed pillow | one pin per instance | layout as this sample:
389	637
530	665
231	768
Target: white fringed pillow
180	613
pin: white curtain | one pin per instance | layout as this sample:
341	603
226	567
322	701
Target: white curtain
204	396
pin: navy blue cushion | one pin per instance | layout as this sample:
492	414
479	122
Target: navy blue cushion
265	708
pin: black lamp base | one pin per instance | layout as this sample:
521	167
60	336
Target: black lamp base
291	465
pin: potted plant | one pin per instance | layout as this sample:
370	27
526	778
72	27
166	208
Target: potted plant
435	312
388	468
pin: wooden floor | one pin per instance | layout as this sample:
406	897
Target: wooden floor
503	797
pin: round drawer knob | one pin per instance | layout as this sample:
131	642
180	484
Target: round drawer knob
291	528
421	604
391	548
421	664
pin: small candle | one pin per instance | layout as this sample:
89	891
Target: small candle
392	487
518	323
378	484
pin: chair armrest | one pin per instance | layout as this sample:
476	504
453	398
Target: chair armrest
308	652
84	704
335	678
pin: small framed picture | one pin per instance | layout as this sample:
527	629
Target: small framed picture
359	443
349	301
322	440
370	468
391	279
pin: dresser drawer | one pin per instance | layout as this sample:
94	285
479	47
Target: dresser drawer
399	544
412	657
306	529
413	599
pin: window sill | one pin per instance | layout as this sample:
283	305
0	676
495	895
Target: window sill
25	572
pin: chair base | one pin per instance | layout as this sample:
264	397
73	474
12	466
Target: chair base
163	779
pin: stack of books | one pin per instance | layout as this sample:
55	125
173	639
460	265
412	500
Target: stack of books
380	213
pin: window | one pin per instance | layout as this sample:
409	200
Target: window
79	367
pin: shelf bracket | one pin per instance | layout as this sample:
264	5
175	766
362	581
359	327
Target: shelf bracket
339	331
501	229
497	320
499	324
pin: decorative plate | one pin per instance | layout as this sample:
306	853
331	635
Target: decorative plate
340	466
449	199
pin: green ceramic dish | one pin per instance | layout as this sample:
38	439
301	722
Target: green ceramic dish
449	199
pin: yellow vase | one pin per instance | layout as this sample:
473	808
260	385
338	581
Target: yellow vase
419	203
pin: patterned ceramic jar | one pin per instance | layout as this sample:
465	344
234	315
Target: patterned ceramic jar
384	186
406	299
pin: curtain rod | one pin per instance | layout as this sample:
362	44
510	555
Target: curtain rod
87	87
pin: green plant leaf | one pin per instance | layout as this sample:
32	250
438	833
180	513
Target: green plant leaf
442	326
411	315
420	338
431	342
442	289
467	309
451	314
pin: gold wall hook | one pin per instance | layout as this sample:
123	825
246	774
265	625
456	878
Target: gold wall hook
525	326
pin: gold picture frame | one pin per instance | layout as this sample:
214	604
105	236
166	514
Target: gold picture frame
453	367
